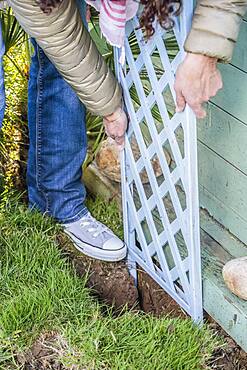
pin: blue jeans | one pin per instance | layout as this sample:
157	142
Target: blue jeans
58	142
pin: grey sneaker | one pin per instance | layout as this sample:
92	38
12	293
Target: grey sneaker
96	240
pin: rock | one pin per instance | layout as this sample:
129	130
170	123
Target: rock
108	161
235	276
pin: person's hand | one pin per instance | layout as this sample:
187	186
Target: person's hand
88	13
116	126
197	80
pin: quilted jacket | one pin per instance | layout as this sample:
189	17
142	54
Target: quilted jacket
215	28
69	46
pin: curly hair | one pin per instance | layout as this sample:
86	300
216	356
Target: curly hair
47	5
164	10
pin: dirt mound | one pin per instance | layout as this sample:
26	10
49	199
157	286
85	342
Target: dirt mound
45	353
112	283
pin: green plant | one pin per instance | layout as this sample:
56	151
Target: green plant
40	293
18	56
13	135
13	36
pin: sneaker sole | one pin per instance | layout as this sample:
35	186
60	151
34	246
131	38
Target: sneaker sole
97	253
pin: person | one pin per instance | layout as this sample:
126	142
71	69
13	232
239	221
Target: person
212	38
209	42
57	119
68	75
67	44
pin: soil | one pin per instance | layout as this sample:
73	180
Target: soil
230	356
112	283
47	350
45	353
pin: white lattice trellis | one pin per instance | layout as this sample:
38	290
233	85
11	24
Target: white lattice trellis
159	166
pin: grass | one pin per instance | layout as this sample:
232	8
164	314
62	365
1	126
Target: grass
40	292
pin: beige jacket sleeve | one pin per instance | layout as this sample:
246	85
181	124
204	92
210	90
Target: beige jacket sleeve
215	28
69	46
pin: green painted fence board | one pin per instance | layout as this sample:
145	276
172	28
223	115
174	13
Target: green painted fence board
223	146
223	180
217	299
223	191
233	97
221	235
227	309
240	53
225	135
227	217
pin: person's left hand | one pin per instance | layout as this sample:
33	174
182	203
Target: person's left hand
197	80
116	126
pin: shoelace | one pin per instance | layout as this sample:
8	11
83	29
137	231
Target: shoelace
97	228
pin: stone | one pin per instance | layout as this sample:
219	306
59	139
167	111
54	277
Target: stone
108	161
235	276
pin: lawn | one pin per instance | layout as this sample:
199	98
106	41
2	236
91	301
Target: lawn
49	319
41	296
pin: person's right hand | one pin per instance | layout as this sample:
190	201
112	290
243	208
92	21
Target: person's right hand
116	126
197	80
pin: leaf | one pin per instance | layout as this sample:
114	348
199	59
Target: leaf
13	34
